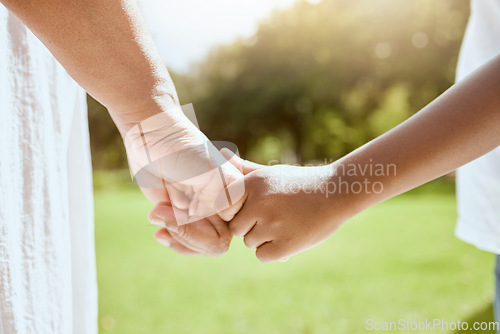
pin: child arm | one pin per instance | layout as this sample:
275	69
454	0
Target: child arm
289	209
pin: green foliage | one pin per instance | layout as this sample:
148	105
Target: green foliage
393	109
323	79
330	76
105	140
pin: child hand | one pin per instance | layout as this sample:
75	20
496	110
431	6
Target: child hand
286	209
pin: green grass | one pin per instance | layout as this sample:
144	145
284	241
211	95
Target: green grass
398	260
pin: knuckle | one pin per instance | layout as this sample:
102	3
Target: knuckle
253	180
235	229
225	233
183	232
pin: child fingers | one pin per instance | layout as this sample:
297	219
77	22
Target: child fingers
237	194
271	251
243	222
256	237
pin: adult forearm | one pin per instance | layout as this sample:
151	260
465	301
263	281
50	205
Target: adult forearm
105	47
458	127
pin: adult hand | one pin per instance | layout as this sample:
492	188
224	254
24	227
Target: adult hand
207	237
210	236
180	171
172	161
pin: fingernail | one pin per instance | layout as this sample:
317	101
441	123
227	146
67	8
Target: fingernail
158	222
165	242
162	239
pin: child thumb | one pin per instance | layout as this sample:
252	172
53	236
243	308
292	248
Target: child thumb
230	200
244	166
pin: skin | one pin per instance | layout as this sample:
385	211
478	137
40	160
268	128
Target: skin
106	48
458	127
282	215
112	56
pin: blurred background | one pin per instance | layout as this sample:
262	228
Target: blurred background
295	82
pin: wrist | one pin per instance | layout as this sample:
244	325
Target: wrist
349	191
128	116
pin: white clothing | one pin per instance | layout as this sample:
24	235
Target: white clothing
478	183
47	261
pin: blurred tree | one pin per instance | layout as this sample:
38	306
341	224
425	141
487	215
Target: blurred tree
319	80
105	140
330	76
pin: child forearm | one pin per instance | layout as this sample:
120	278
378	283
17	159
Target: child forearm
458	127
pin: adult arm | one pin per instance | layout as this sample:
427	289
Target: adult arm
105	47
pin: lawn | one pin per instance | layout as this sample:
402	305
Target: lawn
399	260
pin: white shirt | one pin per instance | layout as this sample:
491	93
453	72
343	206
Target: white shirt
47	261
478	183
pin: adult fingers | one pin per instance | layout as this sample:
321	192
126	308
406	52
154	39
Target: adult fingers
163	237
163	215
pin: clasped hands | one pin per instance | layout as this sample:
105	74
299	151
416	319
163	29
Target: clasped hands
279	211
283	211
